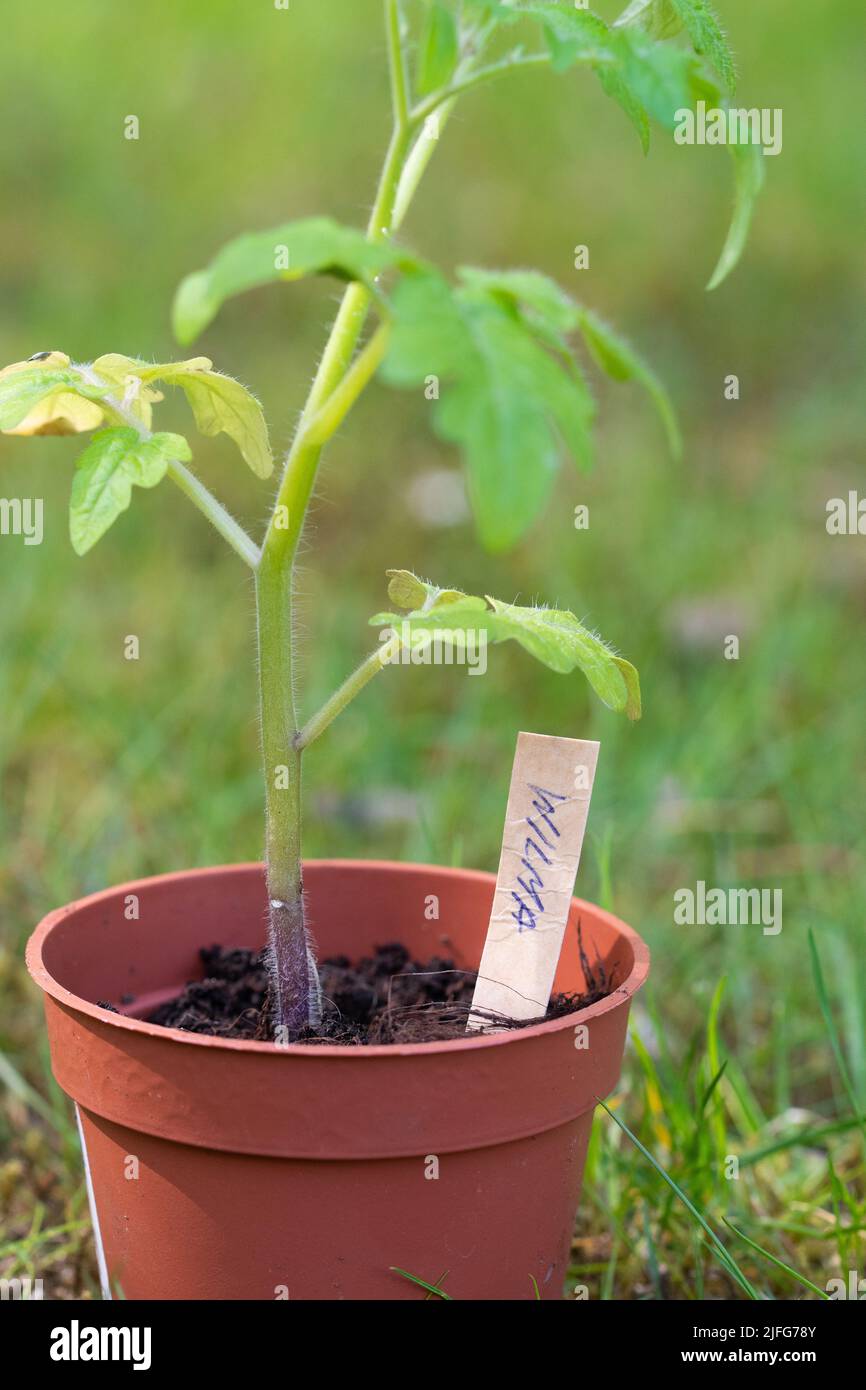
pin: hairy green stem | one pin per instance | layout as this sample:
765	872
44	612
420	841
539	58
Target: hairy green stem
221	520
292	974
291	985
332	414
337	384
351	687
476	77
417	160
397	63
439	106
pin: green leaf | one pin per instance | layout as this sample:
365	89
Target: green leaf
707	36
616	357
23	390
619	91
115	460
749	173
438	50
314	246
504	399
509	412
580	36
574	36
428	335
554	637
550	310
647	78
484	11
658	18
220	404
47	395
661	78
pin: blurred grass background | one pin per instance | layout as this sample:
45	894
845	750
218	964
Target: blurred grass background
742	772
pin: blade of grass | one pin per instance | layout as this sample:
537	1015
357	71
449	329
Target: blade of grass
439	1282
717	1115
15	1082
832	1032
652	1254
653	1093
743	1107
700	1247
780	1264
726	1258
422	1283
802	1138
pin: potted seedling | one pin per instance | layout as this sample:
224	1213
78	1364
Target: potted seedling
298	1162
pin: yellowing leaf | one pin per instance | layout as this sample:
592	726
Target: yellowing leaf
408	591
126	375
35	398
220	405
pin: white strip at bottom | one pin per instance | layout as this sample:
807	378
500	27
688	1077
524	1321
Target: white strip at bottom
94	1215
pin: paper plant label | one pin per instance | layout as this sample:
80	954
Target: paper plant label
548	805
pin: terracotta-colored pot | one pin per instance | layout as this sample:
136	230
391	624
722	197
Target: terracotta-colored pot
228	1170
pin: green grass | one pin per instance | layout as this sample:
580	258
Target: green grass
741	773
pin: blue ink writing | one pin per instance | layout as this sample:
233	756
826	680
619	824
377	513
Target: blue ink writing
529	903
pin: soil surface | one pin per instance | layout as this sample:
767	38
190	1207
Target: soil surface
384	998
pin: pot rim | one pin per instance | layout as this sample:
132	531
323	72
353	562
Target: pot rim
46	981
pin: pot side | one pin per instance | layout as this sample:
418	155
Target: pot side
223	1169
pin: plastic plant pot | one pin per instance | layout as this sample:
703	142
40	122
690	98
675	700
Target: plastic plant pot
221	1169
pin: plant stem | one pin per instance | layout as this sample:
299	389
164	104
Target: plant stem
397	64
351	687
215	512
335	388
293	1004
292	995
418	159
440	104
328	420
476	77
201	497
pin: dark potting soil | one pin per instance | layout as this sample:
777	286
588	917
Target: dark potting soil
384	998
